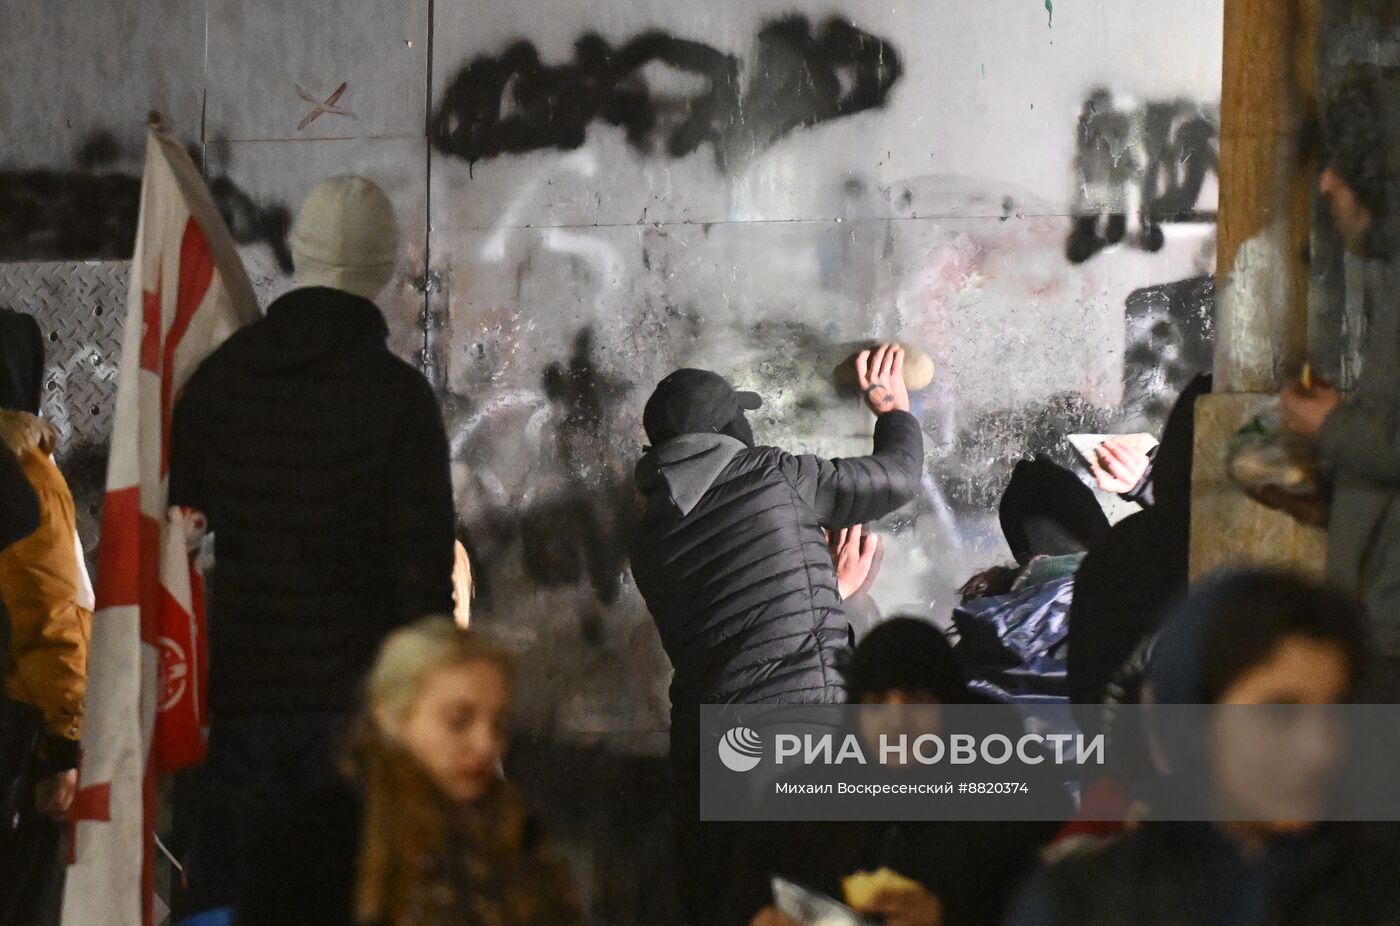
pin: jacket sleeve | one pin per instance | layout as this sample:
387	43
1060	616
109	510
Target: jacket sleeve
1362	441
1142	494
861	489
40	585
19	509
421	513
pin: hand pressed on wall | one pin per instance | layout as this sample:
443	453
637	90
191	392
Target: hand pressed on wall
880	373
854	549
1306	409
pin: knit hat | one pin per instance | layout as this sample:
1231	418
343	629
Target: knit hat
346	237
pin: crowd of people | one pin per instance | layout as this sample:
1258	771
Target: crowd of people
355	754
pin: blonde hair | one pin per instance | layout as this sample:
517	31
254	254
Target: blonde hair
411	654
406	817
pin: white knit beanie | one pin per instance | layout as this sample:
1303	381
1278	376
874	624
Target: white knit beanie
346	237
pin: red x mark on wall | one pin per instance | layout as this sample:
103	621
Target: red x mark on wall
329	106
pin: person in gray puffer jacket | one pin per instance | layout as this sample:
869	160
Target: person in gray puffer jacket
731	554
1358	437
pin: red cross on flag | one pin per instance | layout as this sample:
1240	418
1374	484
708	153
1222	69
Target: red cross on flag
145	694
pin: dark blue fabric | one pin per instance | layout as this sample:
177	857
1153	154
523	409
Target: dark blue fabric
1012	646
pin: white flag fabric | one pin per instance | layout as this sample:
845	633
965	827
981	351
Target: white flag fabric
188	293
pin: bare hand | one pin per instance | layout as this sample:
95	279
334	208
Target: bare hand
55	794
854	550
908	907
1117	467
880	374
1311	510
772	916
1305	410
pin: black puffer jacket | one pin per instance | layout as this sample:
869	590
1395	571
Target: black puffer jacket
321	463
735	569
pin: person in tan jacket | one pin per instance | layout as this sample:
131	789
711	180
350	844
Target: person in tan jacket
46	604
46	595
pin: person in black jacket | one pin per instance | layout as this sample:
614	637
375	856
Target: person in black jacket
321	463
731	554
732	559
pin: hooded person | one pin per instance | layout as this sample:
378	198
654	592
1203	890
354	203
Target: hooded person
731	557
1047	510
320	461
730	554
46	605
1135	571
1357	437
1246	638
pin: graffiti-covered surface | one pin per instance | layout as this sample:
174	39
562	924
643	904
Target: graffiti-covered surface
594	194
753	187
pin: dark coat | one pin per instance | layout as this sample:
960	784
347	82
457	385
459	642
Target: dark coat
735	569
1184	874
321	463
304	871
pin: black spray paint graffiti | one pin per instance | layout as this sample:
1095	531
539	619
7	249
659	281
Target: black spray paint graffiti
514	103
90	213
988	445
1150	161
1170	339
573	522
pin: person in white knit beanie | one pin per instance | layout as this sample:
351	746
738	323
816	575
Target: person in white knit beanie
346	237
319	459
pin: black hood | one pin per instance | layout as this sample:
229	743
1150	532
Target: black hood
21	362
305	325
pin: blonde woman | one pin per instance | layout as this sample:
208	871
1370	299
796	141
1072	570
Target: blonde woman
424	830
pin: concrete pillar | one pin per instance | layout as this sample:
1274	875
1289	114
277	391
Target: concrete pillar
1269	91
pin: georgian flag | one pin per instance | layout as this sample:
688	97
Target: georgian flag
146	679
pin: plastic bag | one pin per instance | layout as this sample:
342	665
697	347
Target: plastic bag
1012	647
1262	454
810	907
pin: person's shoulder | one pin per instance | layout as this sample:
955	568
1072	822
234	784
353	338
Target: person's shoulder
224	359
764	455
44	475
390	369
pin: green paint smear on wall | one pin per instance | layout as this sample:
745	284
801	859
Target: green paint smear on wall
1050	8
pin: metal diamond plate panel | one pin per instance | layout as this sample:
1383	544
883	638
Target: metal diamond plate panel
80	306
